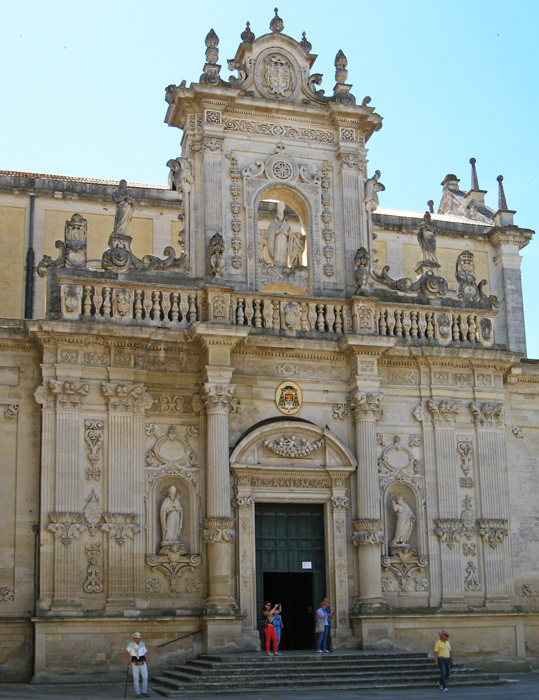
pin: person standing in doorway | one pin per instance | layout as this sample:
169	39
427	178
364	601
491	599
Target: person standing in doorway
278	624
322	628
268	613
329	645
443	659
136	654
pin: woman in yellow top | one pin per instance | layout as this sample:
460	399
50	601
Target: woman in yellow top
443	659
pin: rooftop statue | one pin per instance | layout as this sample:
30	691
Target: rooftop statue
426	236
125	205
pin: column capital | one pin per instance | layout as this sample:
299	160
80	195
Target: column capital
127	398
219	530
366	406
219	397
367	531
490	414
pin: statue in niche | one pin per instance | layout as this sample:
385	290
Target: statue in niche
125	206
171	519
405	522
426	236
278	238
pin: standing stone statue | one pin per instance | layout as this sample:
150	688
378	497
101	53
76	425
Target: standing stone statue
125	206
426	236
372	187
405	522
297	246
279	235
171	518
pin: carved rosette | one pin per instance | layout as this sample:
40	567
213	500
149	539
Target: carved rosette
120	526
127	398
448	530
218	530
66	526
367	531
493	531
218	397
68	394
366	406
488	415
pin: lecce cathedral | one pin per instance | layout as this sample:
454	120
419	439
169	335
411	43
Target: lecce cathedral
257	383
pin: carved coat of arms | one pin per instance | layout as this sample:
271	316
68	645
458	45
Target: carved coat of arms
288	398
277	75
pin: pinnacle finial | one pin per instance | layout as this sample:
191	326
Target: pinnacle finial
502	202
475	181
430	205
247	35
340	64
276	24
212	40
305	45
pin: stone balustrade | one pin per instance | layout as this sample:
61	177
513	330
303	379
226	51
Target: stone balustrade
169	306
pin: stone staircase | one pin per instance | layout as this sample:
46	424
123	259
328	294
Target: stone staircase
251	673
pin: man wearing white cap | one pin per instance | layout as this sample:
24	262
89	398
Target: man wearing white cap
135	652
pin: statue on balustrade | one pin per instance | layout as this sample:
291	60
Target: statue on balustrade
125	206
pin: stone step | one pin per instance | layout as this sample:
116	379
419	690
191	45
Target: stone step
293	657
270	687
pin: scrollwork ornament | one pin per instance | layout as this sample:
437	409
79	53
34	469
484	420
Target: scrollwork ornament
93	584
402	563
7	593
471	582
93	436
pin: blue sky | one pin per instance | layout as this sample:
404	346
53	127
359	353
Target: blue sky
83	90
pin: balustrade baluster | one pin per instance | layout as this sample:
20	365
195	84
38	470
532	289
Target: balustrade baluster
107	306
268	313
87	303
258	315
383	323
192	313
472	329
156	308
249	311
175	312
398	323
463	327
330	316
184	306
455	329
338	319
147	304
166	305
240	318
320	323
391	321
276	315
406	323
430	325
138	304
98	301
312	317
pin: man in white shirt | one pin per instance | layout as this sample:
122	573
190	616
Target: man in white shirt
135	653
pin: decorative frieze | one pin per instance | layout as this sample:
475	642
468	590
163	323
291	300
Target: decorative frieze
279	130
218	530
291	447
493	531
367	531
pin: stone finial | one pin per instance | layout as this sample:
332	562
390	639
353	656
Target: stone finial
430	205
211	69
276	24
247	36
502	202
305	45
475	181
72	248
341	74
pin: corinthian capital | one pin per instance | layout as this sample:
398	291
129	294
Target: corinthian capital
488	415
127	397
444	412
68	394
366	406
219	397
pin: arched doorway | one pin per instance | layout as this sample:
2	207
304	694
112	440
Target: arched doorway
288	471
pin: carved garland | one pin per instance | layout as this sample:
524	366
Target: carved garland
327	217
235	208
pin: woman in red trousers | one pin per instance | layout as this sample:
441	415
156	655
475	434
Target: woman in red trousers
269	629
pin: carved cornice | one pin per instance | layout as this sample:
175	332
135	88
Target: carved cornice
493	531
127	397
449	530
218	397
366	406
367	531
218	530
488	415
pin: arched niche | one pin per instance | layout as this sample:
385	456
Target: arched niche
296	277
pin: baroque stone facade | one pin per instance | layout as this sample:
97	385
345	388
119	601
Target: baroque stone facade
261	331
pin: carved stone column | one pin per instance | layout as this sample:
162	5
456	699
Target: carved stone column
442	414
219	525
493	526
367	408
66	521
125	476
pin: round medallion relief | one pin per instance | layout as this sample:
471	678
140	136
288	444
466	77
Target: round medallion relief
277	75
282	170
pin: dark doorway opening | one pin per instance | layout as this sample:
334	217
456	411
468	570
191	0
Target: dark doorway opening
290	566
295	593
